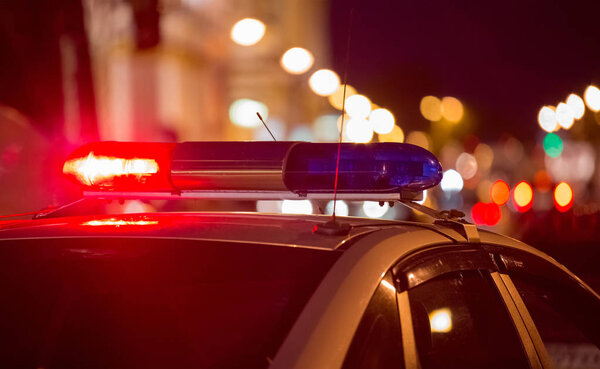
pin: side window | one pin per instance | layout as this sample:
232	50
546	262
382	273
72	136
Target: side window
460	321
568	321
377	342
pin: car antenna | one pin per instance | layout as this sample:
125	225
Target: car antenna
333	227
265	124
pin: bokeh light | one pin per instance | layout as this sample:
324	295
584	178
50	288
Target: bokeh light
325	128
451	181
431	108
297	60
372	209
542	181
563	196
296	207
243	112
452	109
336	99
466	165
483	190
419	138
440	321
576	105
383	120
500	192
553	145
341	208
523	196
397	135
576	163
247	31
484	155
592	98
547	119
564	116
358	106
359	130
486	213
324	82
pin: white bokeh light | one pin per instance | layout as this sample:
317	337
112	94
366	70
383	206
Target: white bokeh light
296	207
372	209
383	120
359	130
243	112
592	98
547	119
324	82
577	105
341	208
358	106
451	181
248	31
564	116
297	60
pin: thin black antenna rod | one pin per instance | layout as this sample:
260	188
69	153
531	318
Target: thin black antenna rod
265	124
346	66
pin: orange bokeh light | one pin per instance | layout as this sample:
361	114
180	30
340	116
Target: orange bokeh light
523	196
500	192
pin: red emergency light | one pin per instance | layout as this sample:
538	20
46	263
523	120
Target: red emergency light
121	165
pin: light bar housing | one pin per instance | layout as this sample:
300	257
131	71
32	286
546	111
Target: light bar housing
190	169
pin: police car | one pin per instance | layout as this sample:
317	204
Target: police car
88	289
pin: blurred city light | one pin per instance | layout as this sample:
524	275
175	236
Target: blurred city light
341	208
324	82
419	138
592	98
451	181
243	112
563	196
576	163
500	192
325	128
372	209
358	106
523	196
466	165
553	145
452	109
483	190
431	108
359	130
542	181
486	213
440	321
564	116
397	135
336	99
297	60
547	119
576	105
383	120
296	207
248	31
485	156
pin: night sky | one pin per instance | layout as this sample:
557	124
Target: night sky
503	60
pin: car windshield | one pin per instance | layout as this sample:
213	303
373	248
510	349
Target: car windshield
118	302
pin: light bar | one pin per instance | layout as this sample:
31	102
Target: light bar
214	169
121	165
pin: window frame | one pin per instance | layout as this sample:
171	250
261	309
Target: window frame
414	271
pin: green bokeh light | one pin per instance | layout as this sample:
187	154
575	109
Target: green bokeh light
553	145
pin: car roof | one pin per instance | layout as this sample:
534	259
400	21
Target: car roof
263	228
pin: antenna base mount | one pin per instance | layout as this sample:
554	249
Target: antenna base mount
332	228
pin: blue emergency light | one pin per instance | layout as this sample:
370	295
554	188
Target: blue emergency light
252	169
